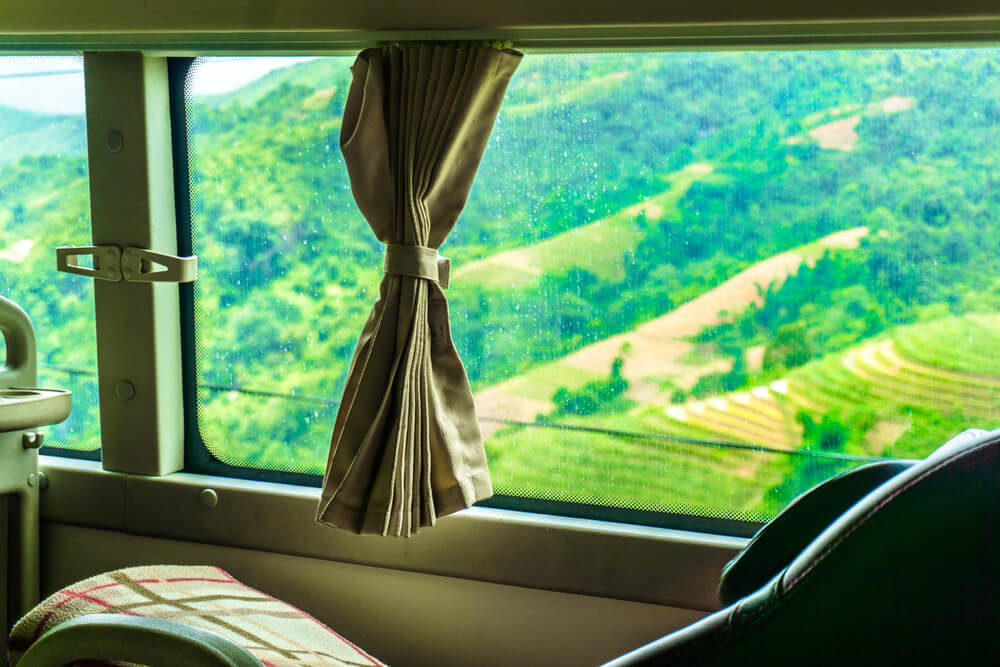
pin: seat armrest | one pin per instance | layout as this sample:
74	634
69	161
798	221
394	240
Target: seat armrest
137	639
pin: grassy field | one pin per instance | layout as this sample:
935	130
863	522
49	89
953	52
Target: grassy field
972	342
608	84
598	247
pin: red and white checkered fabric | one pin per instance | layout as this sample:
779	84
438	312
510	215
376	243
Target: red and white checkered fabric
277	633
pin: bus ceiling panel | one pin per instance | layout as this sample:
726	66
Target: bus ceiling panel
215	25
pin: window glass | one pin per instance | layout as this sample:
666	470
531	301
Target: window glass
286	270
45	203
695	283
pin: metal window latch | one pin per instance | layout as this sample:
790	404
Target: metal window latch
135	265
107	261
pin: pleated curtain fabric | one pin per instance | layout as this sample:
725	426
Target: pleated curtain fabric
406	446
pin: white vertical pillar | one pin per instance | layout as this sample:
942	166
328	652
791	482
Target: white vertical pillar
132	204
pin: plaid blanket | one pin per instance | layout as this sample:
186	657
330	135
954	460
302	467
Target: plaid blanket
278	634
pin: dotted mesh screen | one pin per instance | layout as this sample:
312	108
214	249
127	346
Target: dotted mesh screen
696	283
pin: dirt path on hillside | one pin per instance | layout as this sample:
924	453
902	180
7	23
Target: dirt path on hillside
658	350
659	346
496	403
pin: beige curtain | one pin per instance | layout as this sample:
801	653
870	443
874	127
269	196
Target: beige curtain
406	446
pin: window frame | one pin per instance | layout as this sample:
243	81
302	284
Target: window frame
187	27
84	493
677	568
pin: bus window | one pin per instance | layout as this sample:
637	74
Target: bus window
685	284
45	203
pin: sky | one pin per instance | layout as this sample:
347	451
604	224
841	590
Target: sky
54	84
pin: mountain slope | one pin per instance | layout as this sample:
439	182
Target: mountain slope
28	133
656	353
598	247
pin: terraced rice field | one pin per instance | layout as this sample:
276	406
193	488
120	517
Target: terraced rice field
969	344
947	366
756	416
920	385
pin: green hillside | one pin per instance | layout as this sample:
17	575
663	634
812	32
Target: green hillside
973	339
27	133
658	358
598	247
329	70
44	203
616	188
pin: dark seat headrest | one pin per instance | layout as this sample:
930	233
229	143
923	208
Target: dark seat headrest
781	539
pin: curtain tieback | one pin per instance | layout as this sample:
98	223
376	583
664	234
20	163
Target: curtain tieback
418	262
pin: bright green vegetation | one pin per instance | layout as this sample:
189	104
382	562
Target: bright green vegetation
600	248
45	203
974	342
869	400
616	471
615	190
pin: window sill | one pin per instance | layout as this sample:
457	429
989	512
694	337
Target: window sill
626	562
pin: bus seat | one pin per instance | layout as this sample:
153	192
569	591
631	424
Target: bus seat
171	615
908	573
780	541
158	615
